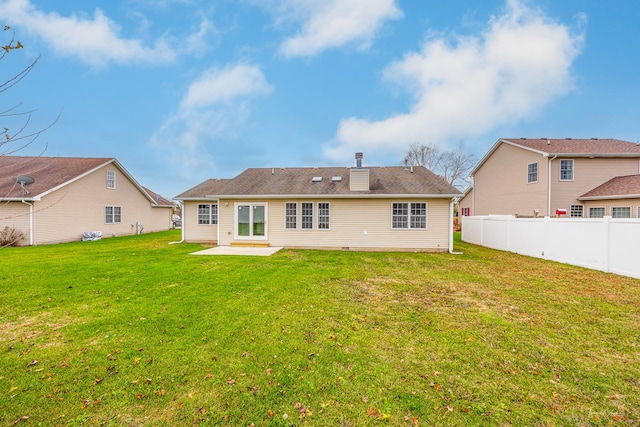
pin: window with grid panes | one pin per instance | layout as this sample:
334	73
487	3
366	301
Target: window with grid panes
306	217
323	216
290	215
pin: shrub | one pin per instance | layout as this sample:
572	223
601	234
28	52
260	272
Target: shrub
10	236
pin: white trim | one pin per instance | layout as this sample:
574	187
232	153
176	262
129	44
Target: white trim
109	171
313	216
604	210
251	206
295	216
621	196
573	170
320	196
211	205
528	173
328	216
621	207
426	216
571	210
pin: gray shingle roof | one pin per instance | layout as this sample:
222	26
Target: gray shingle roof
394	180
620	186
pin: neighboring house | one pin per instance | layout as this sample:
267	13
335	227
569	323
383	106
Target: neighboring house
57	199
464	202
374	208
619	198
538	177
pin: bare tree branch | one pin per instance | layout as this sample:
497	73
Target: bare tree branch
453	166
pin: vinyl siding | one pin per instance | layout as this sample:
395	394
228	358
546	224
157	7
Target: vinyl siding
466	202
16	215
359	179
587	175
63	215
634	204
354	223
501	186
194	232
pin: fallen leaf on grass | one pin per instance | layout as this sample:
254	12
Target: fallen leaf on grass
24	418
230	382
373	412
12	389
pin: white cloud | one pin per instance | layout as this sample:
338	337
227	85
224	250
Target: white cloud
221	85
331	23
468	86
215	108
94	40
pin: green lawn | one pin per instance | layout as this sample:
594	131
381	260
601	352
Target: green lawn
133	331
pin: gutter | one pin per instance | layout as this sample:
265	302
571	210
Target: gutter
451	230
356	195
549	186
30	221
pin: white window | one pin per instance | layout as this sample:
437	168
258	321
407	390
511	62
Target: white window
290	215
307	215
577	211
532	172
566	170
207	214
621	212
323	215
638	216
112	214
596	212
408	215
111	179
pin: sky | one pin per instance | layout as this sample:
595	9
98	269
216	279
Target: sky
180	91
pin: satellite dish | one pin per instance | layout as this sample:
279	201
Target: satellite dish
24	180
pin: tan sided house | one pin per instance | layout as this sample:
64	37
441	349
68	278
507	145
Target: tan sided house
557	177
363	208
57	199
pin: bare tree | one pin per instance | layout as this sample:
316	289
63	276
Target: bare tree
20	135
453	166
427	155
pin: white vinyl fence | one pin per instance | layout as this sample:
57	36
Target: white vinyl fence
606	244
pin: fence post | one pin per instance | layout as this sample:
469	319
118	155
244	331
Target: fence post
545	240
509	233
607	244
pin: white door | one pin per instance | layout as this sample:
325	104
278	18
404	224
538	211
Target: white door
251	221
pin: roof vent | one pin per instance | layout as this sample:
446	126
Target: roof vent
595	139
316	179
359	160
336	178
569	138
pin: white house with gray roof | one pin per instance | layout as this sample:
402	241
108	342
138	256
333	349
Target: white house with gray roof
361	208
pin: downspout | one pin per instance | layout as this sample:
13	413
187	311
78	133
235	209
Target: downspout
451	230
183	224
30	221
549	186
